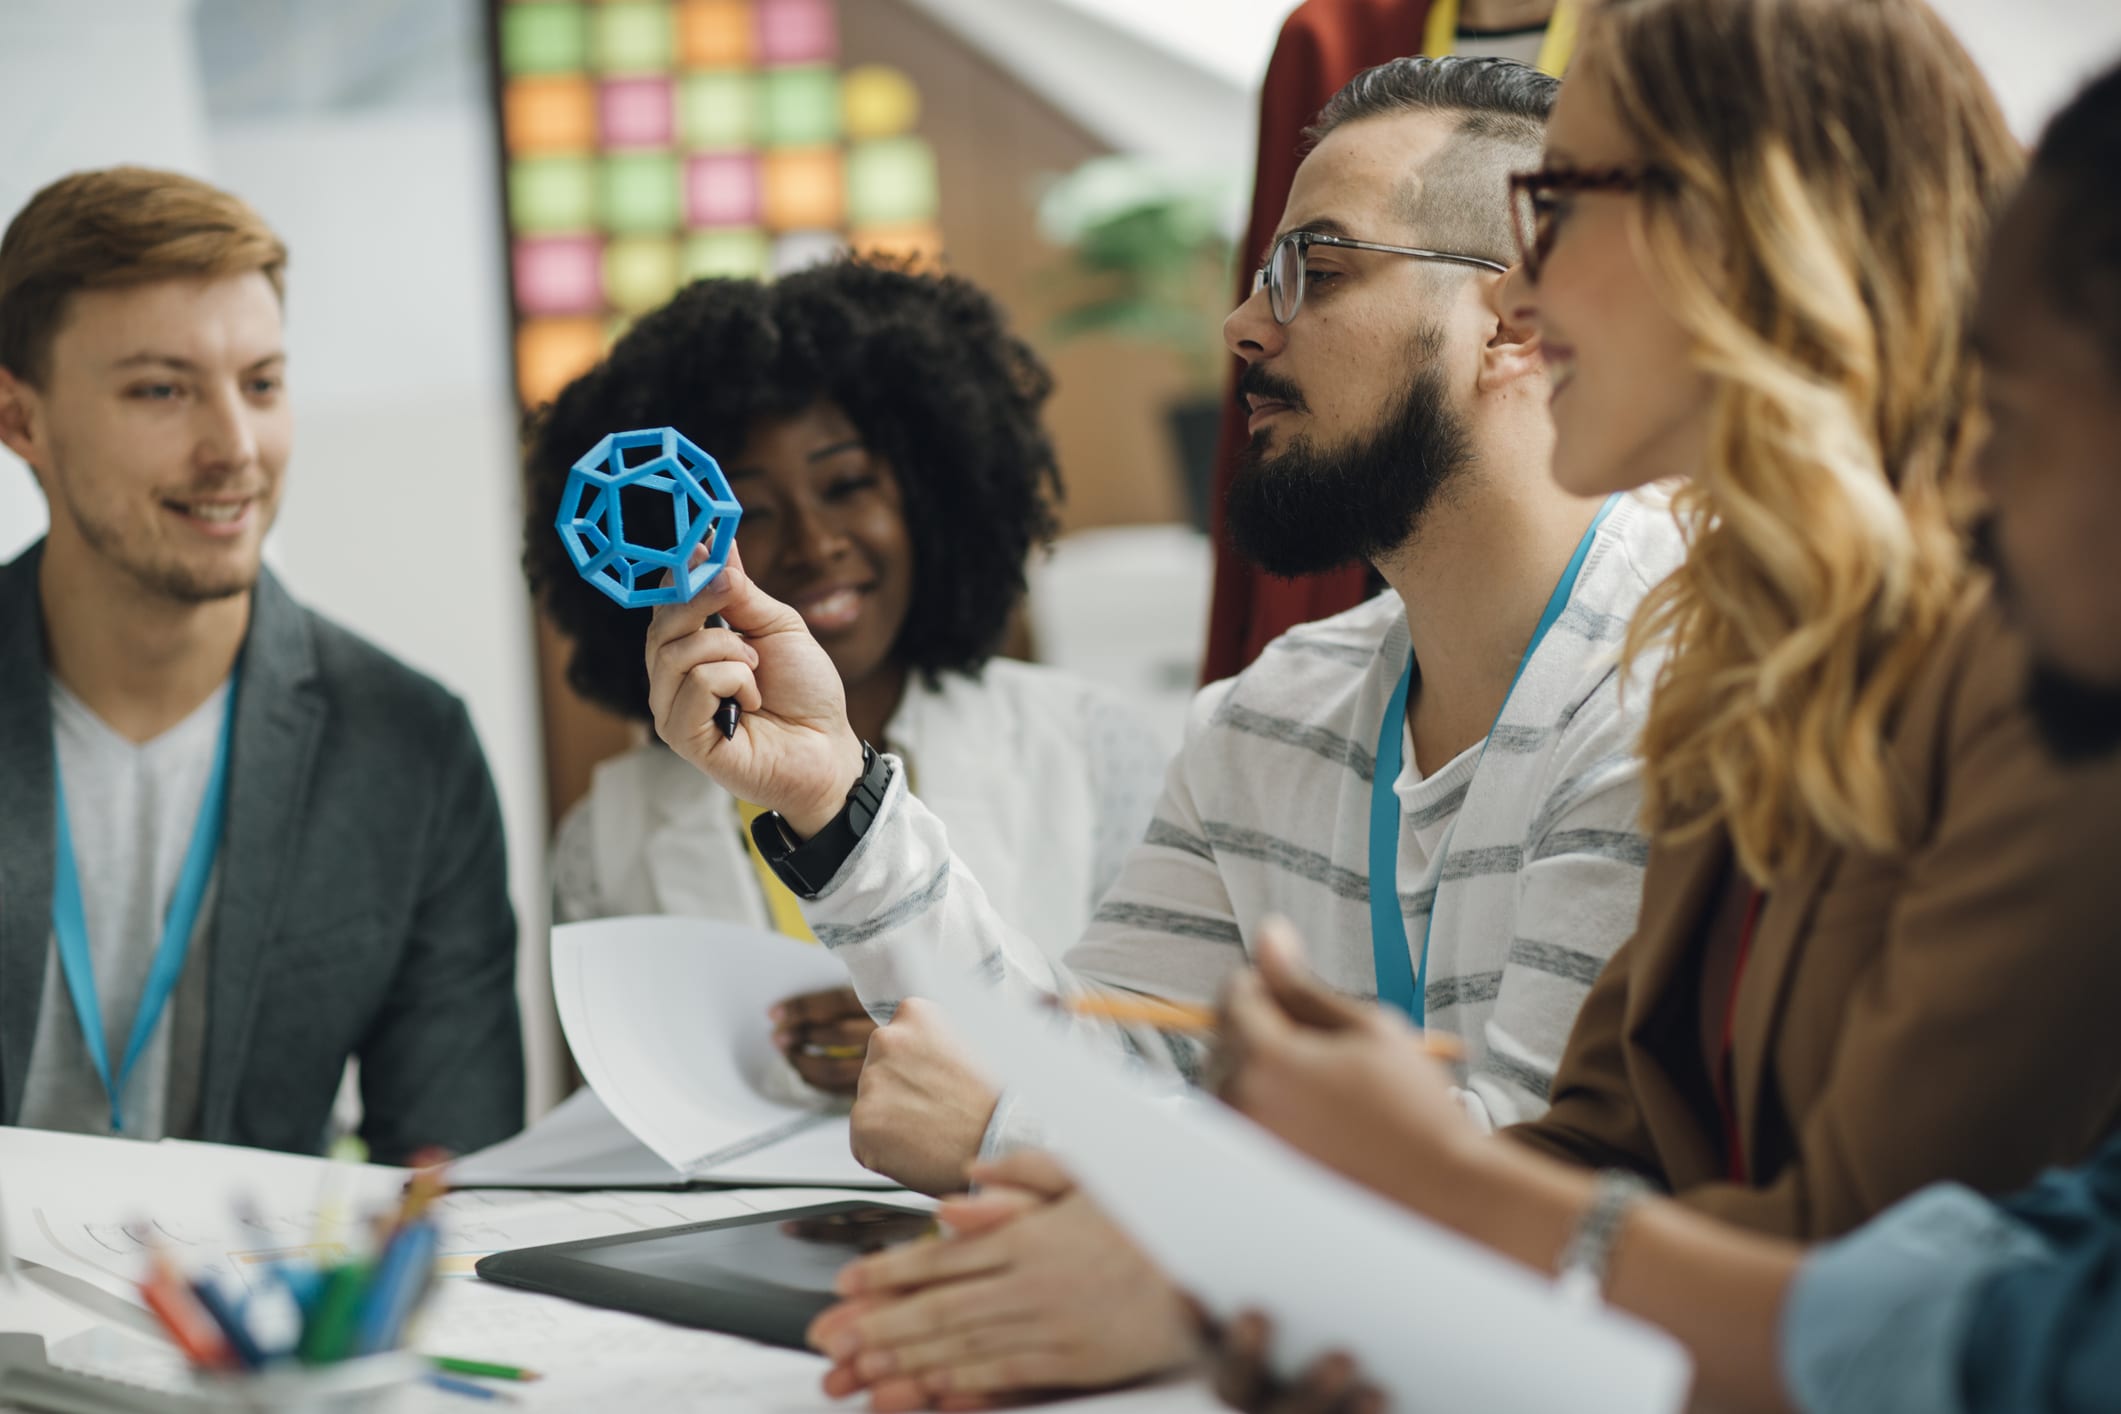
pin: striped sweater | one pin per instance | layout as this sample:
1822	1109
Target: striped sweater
1266	810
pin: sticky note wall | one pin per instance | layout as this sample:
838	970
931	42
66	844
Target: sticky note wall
653	142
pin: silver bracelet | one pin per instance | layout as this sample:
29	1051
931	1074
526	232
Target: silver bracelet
1585	1261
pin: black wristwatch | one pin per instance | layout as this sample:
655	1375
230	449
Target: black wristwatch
807	866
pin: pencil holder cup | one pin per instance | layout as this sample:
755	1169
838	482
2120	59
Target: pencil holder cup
366	1384
635	508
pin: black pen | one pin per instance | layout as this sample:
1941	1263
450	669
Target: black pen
726	712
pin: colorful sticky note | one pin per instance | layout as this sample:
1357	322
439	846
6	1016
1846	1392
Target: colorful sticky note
878	101
547	194
551	353
722	189
559	275
718	109
715	34
543	39
798	32
799	107
803	188
548	113
799	249
731	254
641	193
891	182
635	112
632	38
640	273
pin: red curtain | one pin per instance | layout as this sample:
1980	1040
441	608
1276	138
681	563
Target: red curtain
1323	45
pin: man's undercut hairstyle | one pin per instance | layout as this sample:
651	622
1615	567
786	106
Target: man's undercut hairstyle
1460	200
2081	157
112	228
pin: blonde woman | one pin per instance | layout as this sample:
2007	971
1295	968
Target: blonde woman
1875	948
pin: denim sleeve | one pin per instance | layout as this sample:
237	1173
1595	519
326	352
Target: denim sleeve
1880	1321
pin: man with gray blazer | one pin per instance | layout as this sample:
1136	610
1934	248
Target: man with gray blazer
238	845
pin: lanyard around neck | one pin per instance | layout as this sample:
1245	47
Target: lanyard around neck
70	922
1440	34
1399	983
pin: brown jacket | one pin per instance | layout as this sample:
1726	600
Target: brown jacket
1949	1014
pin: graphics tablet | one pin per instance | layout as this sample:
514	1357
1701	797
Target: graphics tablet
764	1276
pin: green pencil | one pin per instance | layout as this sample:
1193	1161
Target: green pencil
480	1367
330	1328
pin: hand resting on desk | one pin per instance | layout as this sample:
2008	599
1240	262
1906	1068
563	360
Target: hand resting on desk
1034	1291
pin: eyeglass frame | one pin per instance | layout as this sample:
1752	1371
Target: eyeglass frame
1262	278
1527	188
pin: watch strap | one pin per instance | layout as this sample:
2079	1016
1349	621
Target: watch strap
808	866
1587	1259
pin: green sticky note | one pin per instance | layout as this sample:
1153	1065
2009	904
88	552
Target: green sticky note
799	107
641	194
551	194
891	182
631	39
640	273
732	254
718	109
543	39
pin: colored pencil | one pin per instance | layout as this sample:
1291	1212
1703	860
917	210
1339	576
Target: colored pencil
457	1366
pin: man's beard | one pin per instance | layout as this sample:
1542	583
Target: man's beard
165	578
1302	510
2077	720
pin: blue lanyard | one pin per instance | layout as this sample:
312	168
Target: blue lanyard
71	924
1397	982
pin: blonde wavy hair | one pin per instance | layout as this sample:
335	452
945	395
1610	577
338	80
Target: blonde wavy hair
1831	167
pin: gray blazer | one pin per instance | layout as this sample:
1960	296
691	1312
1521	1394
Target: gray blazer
362	900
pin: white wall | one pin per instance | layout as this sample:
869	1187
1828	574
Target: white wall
401	515
89	86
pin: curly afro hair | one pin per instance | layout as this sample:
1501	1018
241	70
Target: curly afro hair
923	365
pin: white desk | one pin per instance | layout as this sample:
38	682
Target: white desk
66	1198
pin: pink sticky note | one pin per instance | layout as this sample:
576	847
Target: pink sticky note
798	31
722	189
635	112
559	275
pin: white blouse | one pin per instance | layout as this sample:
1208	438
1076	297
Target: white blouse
1044	781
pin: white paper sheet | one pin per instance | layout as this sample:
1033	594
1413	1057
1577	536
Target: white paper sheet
1245	1222
667	1018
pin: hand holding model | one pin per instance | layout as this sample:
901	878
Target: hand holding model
794	751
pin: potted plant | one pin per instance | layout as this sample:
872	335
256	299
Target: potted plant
1148	258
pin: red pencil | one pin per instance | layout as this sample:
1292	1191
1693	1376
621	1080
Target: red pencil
187	1321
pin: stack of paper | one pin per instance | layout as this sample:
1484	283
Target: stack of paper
667	1019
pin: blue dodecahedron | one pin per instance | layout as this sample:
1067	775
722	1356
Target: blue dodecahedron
702	508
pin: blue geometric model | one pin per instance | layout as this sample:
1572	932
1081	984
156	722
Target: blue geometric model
594	531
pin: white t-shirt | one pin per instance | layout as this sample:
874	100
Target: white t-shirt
132	807
1046	779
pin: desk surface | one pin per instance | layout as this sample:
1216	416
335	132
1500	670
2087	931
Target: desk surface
74	1203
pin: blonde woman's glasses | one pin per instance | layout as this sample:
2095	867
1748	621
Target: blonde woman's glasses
1539	202
1282	274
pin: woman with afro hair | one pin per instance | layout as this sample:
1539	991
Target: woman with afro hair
881	428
